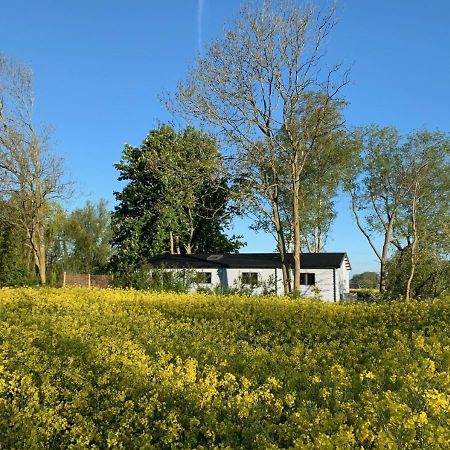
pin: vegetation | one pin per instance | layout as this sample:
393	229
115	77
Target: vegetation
365	280
266	90
432	274
175	201
276	149
30	175
400	193
124	369
16	268
79	241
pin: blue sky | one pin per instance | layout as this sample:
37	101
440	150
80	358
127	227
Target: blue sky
100	67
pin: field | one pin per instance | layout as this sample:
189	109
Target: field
124	369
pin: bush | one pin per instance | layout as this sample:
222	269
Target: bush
371	295
157	279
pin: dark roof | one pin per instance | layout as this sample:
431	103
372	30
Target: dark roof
250	260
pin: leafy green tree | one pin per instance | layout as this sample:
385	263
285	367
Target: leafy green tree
423	229
89	233
377	188
399	192
175	200
16	264
80	240
431	275
366	280
322	173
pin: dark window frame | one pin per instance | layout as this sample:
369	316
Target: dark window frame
249	278
307	279
204	277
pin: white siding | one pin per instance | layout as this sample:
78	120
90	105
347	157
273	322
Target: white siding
323	286
230	279
215	278
342	280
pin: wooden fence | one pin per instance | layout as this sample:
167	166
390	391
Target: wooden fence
86	280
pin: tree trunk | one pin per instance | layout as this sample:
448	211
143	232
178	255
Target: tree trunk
177	245
296	228
188	245
39	256
284	265
413	245
384	255
281	244
382	275
171	243
42	264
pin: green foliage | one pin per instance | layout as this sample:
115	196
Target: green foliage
366	280
88	233
400	191
432	275
79	241
15	260
125	369
371	295
158	279
327	158
175	199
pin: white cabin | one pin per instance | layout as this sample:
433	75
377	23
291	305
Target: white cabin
324	275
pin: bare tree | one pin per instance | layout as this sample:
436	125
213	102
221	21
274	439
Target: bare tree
29	174
251	85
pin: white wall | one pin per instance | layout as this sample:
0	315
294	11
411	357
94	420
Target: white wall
215	278
342	280
230	278
324	284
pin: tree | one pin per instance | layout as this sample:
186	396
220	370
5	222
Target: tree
366	280
431	274
377	188
393	175
423	218
80	240
175	200
29	174
255	82
15	262
322	173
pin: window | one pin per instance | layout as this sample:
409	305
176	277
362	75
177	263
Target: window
167	278
204	277
249	278
308	279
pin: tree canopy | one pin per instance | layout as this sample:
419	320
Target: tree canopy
175	200
79	241
400	192
261	78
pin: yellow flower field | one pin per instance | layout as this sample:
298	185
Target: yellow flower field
124	369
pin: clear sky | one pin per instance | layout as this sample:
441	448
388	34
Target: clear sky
100	66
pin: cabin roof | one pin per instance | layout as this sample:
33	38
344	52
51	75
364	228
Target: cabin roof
251	260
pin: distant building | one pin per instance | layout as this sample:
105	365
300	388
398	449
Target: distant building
323	274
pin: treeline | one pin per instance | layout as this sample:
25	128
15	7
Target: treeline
76	241
277	149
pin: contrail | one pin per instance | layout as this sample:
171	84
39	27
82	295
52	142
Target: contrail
199	24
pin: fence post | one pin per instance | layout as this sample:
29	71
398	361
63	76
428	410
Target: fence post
64	279
89	280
